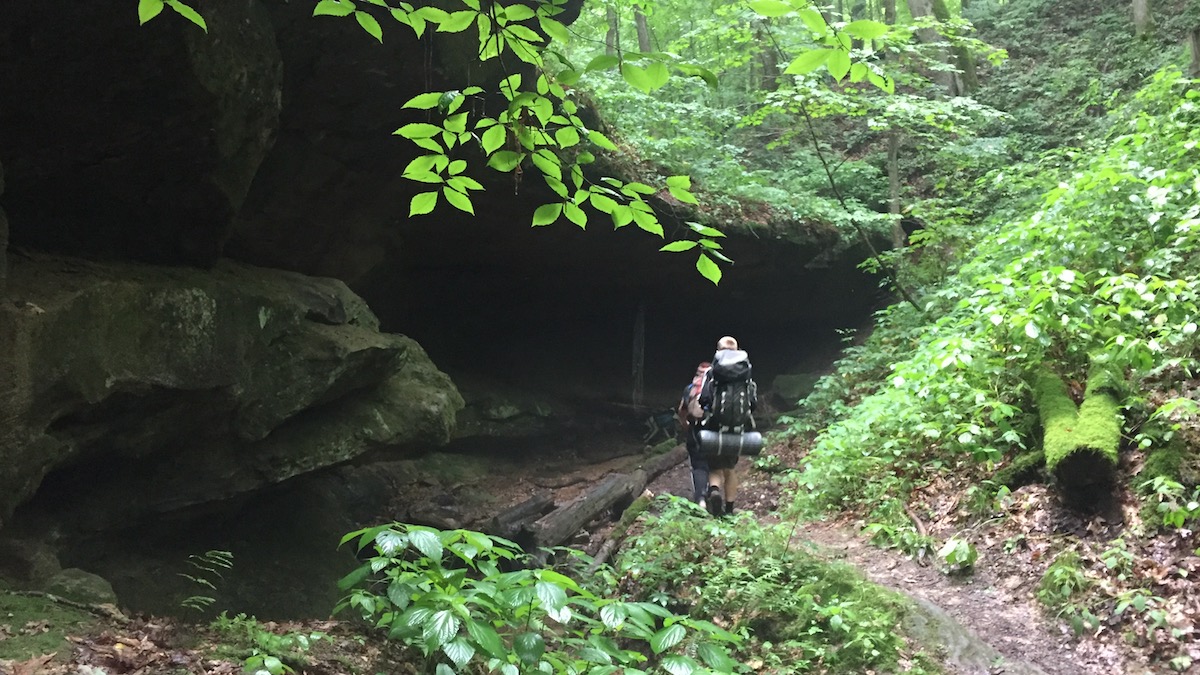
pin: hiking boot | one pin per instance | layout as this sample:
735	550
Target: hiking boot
716	501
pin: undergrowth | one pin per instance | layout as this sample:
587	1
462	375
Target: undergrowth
798	613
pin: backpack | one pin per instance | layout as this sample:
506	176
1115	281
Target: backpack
691	397
733	392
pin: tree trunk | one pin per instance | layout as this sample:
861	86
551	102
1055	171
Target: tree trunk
639	353
768	58
1080	444
509	522
560	524
943	78
893	169
612	39
1194	45
889	12
643	30
1143	21
965	80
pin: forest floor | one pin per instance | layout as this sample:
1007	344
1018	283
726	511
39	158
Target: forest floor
995	602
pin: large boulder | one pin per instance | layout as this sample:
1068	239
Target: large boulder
148	389
134	141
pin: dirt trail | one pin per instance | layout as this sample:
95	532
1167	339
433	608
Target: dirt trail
999	611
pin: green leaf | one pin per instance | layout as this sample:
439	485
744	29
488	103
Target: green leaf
657	75
456	123
838	64
333	8
418	130
637	77
684	182
464	183
881	81
370	25
865	29
814	20
529	647
424	101
551	595
575	214
696	71
683	195
622	215
461	202
667	637
677	246
457	22
705	230
442	627
678	665
487	638
708	269
602	62
459	651
808	61
601	140
770	7
555	30
505	160
647	222
148	9
548	163
547	214
188	13
566	137
518	12
716	657
493	138
354	578
422	203
603	203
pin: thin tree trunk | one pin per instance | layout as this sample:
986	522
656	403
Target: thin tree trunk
612	37
1143	21
643	30
893	169
889	12
1194	45
639	353
768	58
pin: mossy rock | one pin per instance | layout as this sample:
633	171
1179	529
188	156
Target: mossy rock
39	626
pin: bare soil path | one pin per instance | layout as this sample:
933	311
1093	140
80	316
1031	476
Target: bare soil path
993	606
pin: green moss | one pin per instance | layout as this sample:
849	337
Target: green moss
1058	415
1022	470
26	616
1093	428
1165	460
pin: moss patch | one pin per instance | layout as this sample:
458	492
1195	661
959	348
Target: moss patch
1093	429
1024	469
36	626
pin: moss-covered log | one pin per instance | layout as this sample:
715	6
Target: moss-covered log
1081	443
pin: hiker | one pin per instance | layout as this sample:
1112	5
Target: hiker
690	414
729	396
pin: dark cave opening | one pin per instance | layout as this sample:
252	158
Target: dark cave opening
555	309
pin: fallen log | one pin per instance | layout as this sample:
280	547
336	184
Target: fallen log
1080	444
614	539
509	522
617	490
